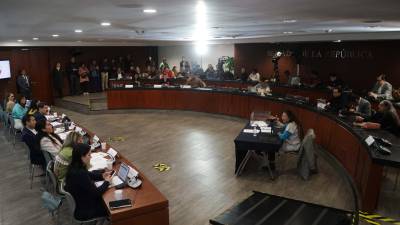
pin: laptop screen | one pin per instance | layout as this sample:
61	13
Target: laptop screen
123	172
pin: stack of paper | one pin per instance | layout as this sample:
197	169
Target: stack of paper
59	130
64	135
55	124
267	130
251	131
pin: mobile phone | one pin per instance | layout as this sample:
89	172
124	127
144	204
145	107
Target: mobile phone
112	172
120	204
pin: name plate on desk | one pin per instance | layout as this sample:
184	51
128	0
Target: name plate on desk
186	86
128	85
369	140
157	86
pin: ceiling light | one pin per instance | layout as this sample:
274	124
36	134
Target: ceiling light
288	32
35	38
149	10
105	24
329	31
78	31
19	40
55	35
24	49
337	41
289	21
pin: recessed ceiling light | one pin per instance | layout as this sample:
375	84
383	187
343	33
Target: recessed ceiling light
55	35
337	41
78	31
105	24
149	10
329	31
288	32
19	40
24	49
35	38
289	21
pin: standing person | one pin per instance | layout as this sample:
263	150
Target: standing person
79	182
150	62
105	69
163	64
24	84
58	78
73	76
243	76
84	79
184	66
94	79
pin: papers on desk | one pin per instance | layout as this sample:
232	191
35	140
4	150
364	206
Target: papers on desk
50	117
267	130
128	85
112	152
251	131
59	130
204	89
64	135
186	86
259	123
98	161
157	86
99	183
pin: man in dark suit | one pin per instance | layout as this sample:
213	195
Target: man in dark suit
73	77
24	84
42	111
29	137
338	101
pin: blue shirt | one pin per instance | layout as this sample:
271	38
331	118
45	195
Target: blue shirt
18	111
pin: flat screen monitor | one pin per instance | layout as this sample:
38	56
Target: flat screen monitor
5	71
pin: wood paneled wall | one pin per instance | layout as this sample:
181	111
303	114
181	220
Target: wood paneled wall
40	61
358	72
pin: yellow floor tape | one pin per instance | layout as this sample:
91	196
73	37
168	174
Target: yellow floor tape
161	167
116	139
374	218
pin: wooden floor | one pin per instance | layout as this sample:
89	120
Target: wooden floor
201	183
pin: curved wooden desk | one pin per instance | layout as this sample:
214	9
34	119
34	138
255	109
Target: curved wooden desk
336	135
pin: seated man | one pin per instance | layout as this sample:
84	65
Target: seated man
335	82
338	101
42	111
243	76
262	87
29	137
360	106
195	82
386	118
382	89
210	72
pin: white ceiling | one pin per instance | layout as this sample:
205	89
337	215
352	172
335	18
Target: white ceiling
228	21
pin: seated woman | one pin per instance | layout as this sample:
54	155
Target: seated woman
18	112
64	157
79	182
262	87
291	135
33	108
292	132
9	102
386	118
47	139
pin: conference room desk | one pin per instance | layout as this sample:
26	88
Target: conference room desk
149	204
336	135
312	93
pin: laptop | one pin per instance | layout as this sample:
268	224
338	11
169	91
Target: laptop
121	176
